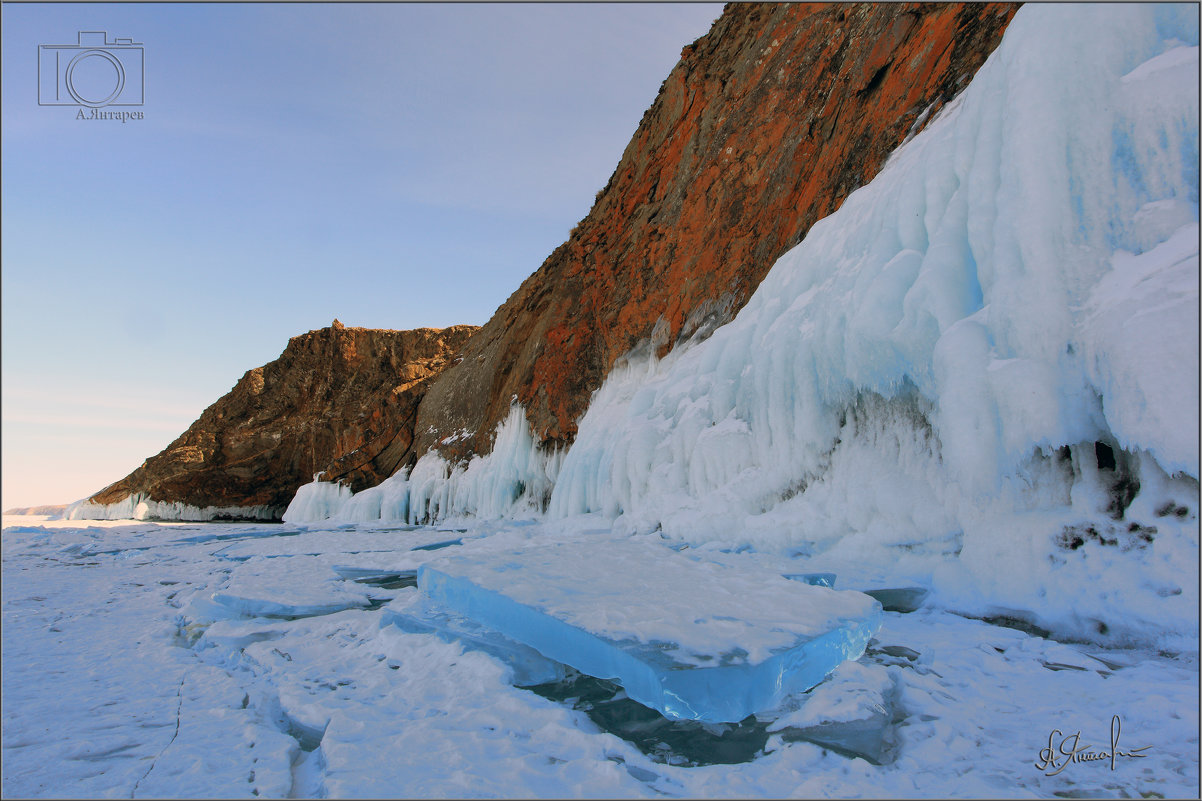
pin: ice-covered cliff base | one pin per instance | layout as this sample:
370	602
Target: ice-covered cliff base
980	374
139	507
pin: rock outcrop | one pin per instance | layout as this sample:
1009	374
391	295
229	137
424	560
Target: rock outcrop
764	126
338	400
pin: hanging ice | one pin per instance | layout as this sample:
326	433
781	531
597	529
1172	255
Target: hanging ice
977	301
694	640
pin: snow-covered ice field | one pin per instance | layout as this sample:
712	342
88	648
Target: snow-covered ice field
230	660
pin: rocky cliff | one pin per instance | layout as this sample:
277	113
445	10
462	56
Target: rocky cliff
339	400
764	126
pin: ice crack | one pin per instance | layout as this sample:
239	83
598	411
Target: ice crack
179	705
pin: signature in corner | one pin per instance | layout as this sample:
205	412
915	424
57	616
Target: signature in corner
1066	749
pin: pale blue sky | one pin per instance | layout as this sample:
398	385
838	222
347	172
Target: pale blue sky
391	165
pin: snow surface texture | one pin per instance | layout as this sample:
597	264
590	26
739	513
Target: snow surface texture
693	639
122	678
980	373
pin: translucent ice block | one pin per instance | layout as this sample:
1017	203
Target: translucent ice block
692	639
419	616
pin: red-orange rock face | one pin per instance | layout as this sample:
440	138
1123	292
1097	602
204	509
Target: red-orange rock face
764	126
338	400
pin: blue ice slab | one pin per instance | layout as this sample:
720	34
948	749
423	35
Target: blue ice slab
694	640
417	615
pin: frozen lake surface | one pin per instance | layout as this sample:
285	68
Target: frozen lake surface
231	660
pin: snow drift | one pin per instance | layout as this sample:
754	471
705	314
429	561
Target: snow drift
980	373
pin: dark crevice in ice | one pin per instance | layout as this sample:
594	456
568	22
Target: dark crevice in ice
113	551
368	607
685	743
238	535
1058	666
691	743
868	741
308	737
308	763
1024	623
247	557
435	546
398	580
1021	622
639	774
1119	473
179	705
902	599
391	581
895	651
1018	623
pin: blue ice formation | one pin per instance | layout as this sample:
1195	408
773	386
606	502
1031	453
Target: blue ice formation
417	615
692	640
